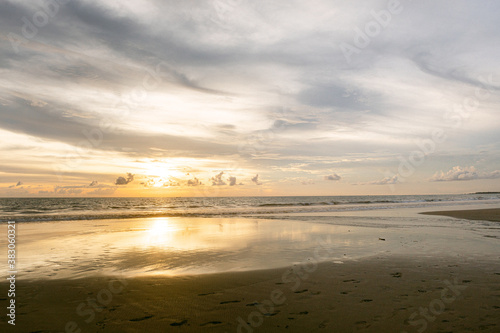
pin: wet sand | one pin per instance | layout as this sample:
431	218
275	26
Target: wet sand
475	214
373	295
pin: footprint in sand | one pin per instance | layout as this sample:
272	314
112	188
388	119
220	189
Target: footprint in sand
397	274
486	326
142	318
253	304
179	323
271	314
212	323
206	294
366	300
299	313
300	291
227	302
362	324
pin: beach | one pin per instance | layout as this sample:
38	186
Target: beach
475	214
330	272
376	295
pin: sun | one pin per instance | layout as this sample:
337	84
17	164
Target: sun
156	182
159	170
160	174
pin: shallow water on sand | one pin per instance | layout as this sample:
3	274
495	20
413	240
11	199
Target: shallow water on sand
186	245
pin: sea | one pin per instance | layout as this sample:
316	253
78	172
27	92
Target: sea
68	209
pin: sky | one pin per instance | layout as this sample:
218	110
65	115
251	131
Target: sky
248	98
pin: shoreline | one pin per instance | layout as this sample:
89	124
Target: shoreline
180	246
489	214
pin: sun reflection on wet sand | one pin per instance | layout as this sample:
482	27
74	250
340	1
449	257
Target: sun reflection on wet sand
161	233
166	245
181	245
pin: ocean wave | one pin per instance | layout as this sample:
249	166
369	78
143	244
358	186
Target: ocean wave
284	204
59	209
291	204
219	212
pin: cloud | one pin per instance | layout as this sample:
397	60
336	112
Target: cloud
384	181
194	182
217	179
19	183
332	177
153	181
332	95
256	180
232	181
490	175
459	173
172	182
67	190
123	180
98	189
102	191
19	115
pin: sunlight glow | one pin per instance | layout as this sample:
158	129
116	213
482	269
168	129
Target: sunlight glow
160	233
